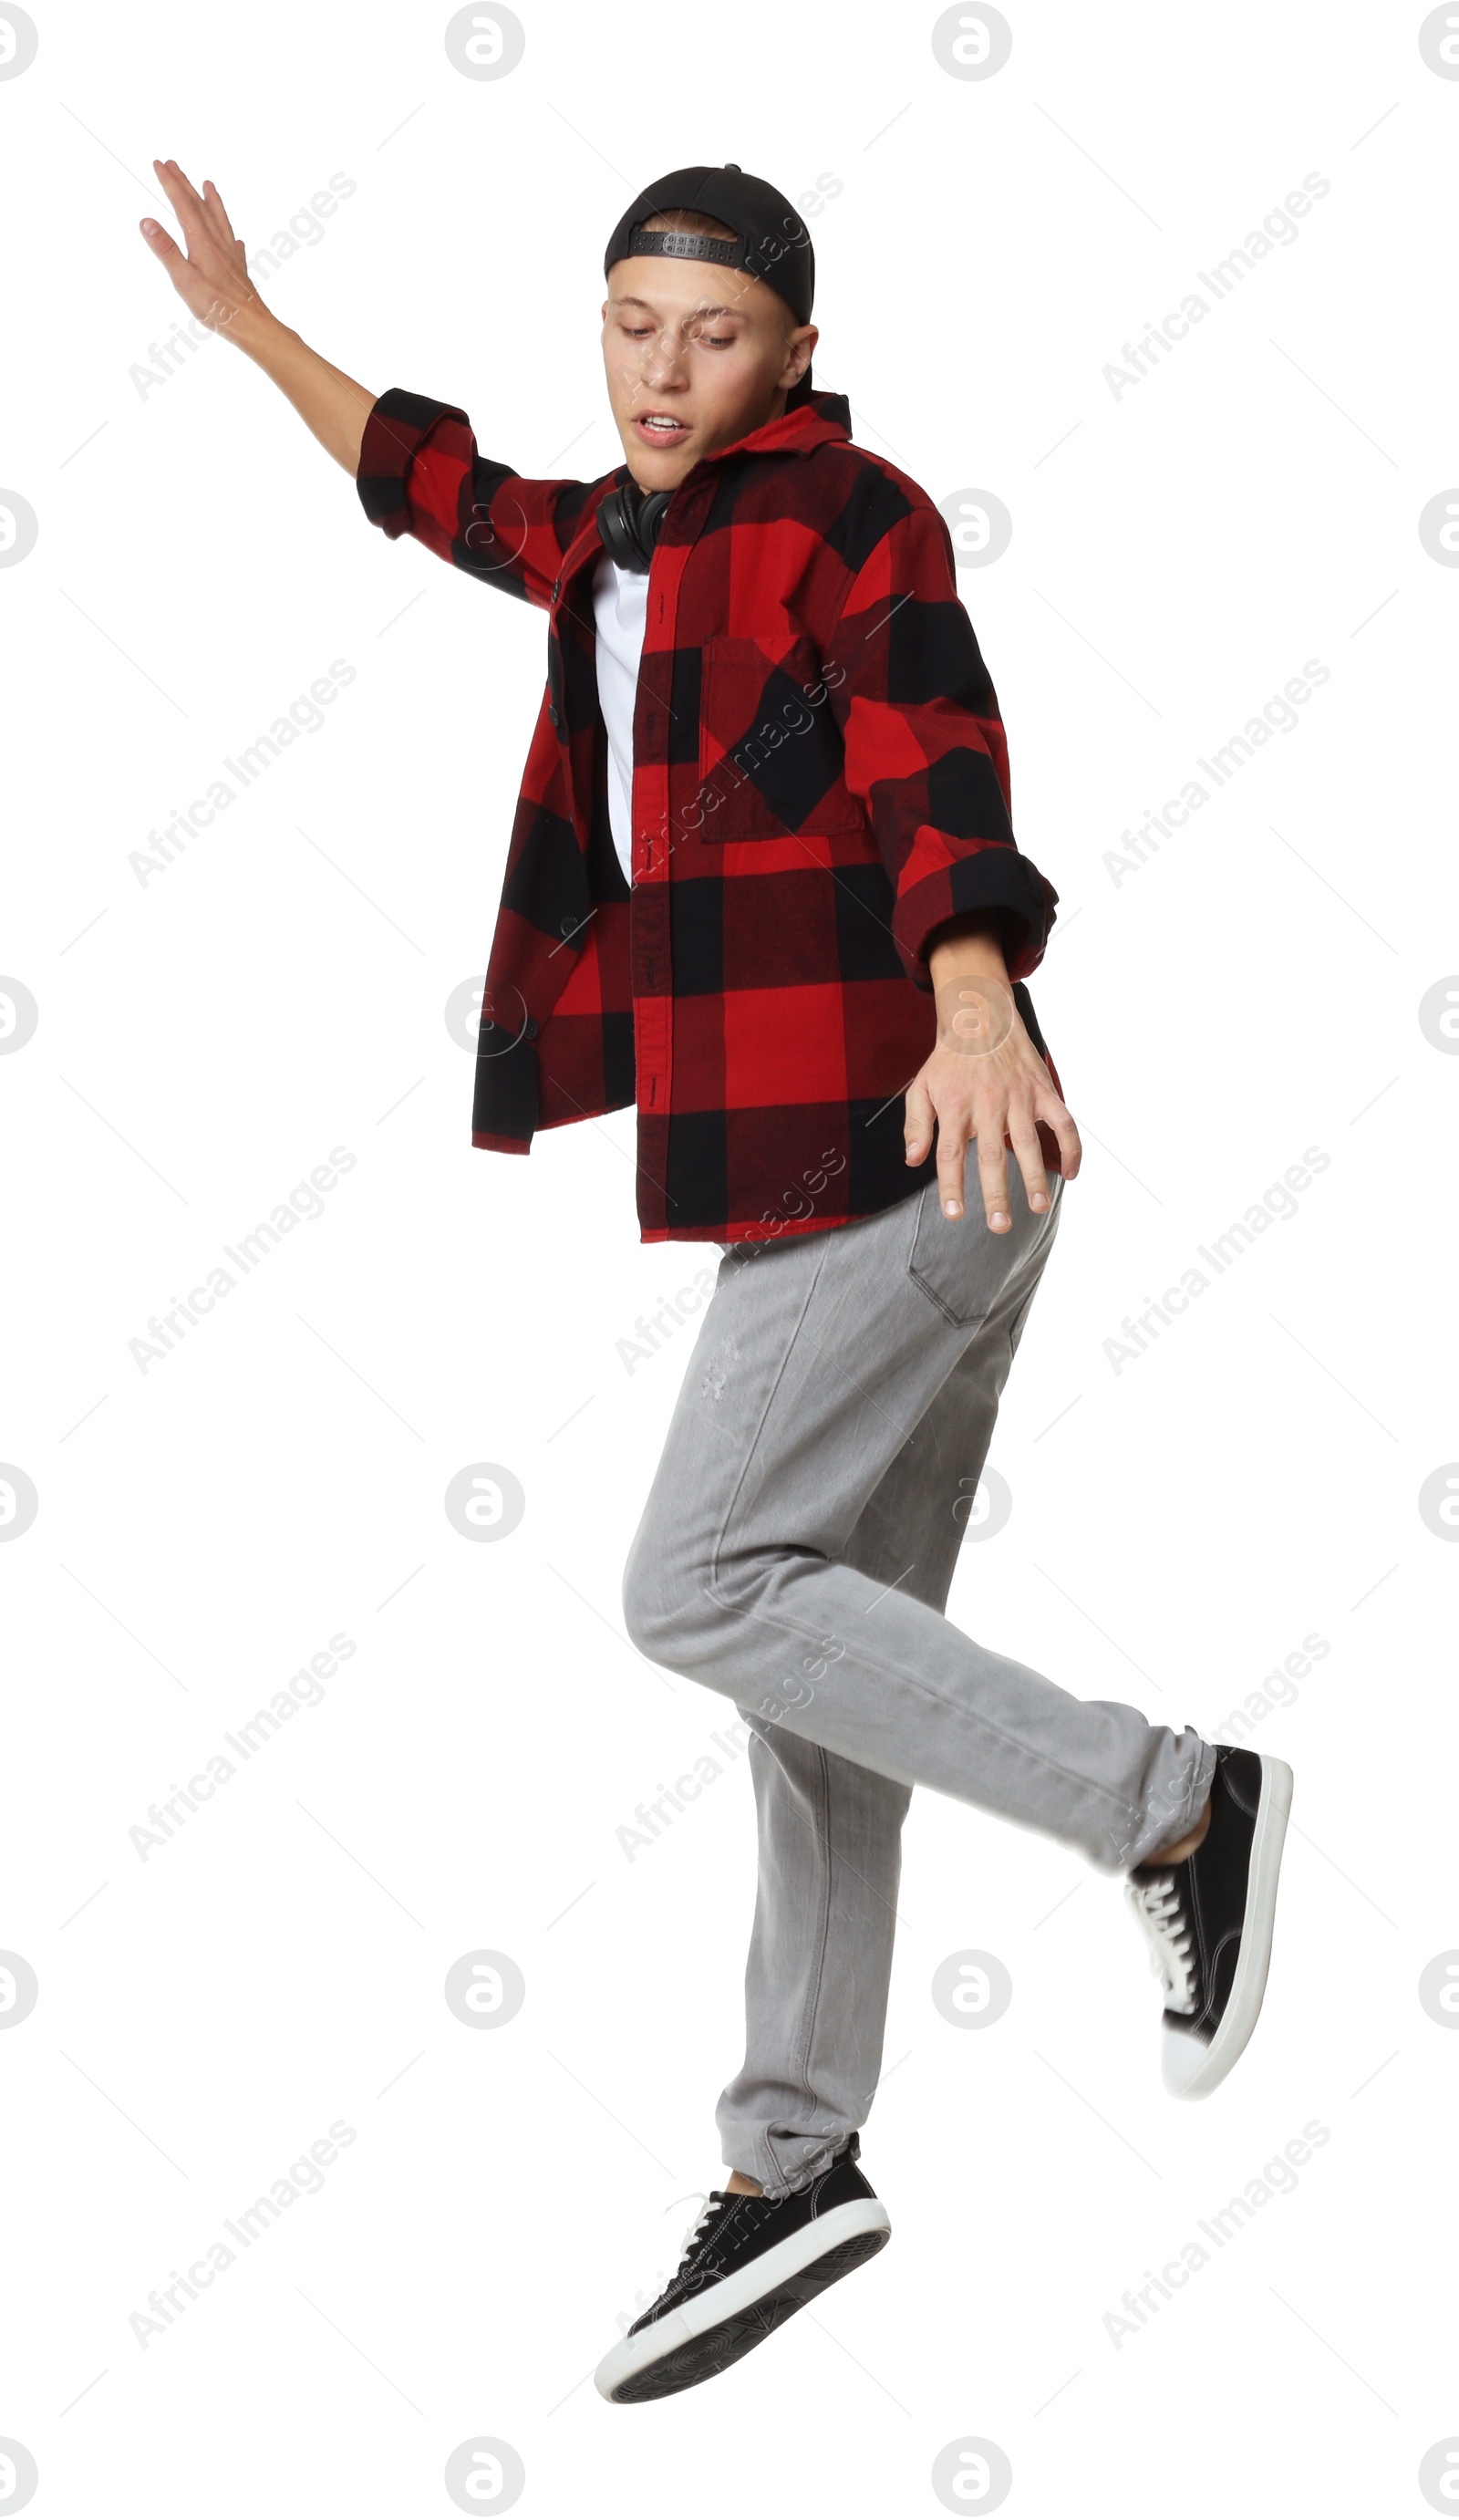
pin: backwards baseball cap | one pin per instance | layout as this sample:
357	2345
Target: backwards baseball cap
770	242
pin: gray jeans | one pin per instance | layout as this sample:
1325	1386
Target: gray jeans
796	1554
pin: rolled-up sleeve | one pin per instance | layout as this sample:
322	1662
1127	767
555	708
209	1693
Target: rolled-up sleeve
420	473
925	748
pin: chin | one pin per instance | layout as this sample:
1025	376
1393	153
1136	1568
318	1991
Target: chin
655	471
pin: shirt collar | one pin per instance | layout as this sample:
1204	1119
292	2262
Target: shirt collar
811	424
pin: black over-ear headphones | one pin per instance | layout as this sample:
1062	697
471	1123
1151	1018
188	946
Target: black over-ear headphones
629	520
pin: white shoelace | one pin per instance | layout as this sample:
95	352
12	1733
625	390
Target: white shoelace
1157	1905
697	2196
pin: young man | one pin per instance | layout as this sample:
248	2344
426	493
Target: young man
763	883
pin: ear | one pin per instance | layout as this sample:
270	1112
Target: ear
800	346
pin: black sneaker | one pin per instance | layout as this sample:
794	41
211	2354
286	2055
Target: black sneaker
1209	1921
748	2264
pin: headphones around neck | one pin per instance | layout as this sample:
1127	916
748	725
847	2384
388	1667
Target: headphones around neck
629	519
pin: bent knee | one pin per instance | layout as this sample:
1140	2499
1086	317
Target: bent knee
694	1617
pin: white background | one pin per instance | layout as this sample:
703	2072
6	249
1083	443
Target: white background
1178	1526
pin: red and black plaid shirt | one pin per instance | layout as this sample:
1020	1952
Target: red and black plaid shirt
819	780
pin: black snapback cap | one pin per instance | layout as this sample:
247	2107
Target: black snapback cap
770	239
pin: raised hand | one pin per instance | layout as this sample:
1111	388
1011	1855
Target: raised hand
212	281
211	278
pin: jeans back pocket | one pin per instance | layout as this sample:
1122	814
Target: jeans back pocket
960	1266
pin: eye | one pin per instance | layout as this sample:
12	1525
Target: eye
701	340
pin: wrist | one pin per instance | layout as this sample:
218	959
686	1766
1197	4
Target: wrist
258	333
974	946
975	1011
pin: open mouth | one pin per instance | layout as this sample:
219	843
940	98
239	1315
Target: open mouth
658	429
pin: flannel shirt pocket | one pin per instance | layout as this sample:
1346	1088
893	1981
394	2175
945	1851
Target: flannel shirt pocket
771	760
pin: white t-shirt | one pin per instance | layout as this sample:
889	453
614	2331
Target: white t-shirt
620	611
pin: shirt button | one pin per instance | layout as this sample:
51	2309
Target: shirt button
556	588
530	1033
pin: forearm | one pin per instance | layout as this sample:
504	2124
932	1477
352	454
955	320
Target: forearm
329	402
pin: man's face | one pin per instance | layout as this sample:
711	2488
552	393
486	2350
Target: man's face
698	344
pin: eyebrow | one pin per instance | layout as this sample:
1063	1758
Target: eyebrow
692	318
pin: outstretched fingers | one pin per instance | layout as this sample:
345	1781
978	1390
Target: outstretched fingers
187	208
201	225
163	245
211	274
214	202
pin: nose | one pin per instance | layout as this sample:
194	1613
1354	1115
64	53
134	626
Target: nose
662	361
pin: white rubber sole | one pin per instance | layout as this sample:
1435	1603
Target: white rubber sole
1244	2006
718	2304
